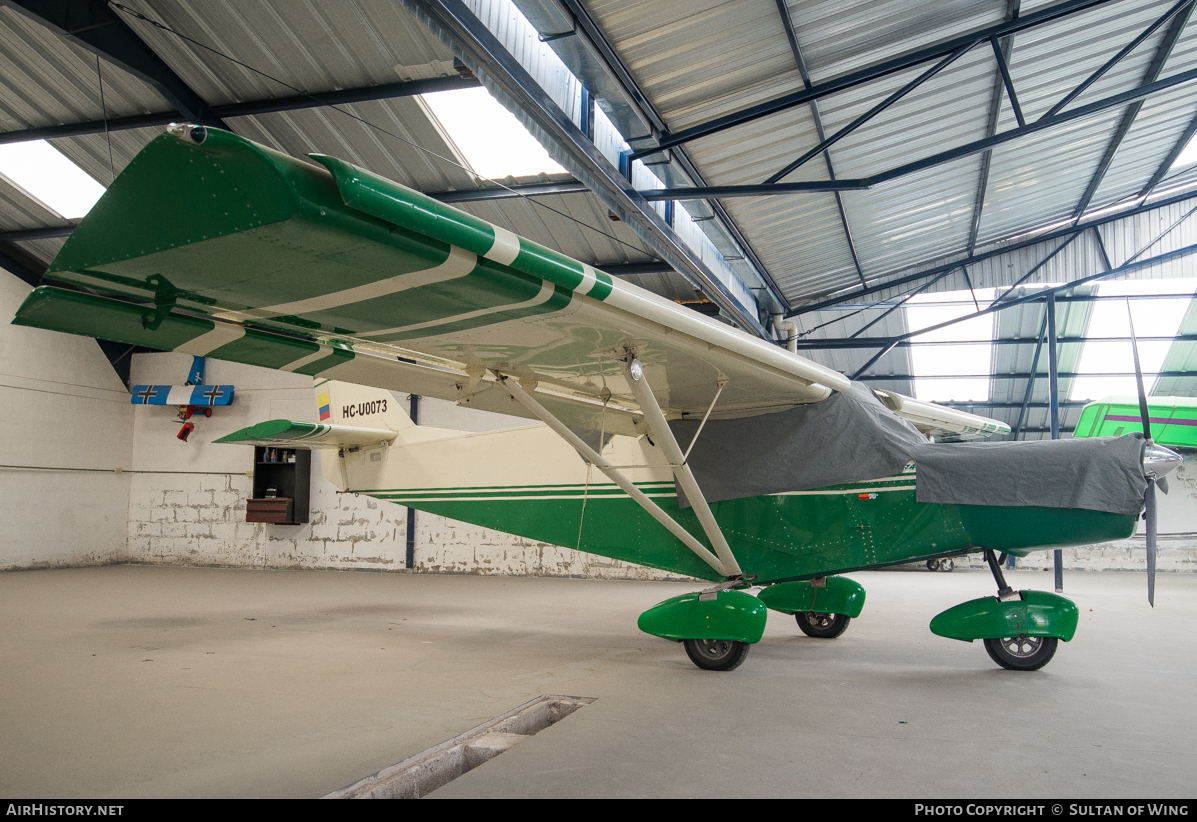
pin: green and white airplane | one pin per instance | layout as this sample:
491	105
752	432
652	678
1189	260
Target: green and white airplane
212	245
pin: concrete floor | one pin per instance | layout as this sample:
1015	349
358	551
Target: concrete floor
136	681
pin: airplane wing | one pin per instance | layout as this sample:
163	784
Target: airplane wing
212	245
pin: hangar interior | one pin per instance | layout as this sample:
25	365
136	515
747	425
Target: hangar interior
956	201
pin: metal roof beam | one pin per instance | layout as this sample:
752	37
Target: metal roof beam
1001	53
1020	375
840	343
1026	399
792	36
94	25
453	21
697	193
633	92
1116	59
827	142
384	91
870	73
1042	238
1170	160
1040	295
1162	53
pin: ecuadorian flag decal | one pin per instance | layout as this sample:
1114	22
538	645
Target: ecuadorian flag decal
323	402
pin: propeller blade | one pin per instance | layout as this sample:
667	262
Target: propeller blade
1151	549
1143	413
1162	482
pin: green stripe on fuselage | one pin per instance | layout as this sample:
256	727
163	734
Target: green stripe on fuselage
775	537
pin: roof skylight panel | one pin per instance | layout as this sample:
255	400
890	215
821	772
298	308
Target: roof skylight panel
1153	318
944	370
48	176
492	140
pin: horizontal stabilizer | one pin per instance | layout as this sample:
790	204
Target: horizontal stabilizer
311	434
201	395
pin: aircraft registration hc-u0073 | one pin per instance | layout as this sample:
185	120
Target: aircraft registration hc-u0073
669	439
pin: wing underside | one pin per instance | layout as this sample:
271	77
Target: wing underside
230	250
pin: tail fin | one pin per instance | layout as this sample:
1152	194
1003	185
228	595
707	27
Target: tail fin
343	403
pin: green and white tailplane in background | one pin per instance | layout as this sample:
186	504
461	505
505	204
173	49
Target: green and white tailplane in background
210	244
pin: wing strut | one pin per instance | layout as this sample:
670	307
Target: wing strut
673	453
590	455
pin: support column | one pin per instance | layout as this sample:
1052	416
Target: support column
1053	394
410	562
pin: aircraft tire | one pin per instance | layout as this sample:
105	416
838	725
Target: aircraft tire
716	654
1022	654
932	565
822	626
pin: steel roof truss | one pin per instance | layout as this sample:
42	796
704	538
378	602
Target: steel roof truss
94	25
792	36
932	161
1162	53
870	73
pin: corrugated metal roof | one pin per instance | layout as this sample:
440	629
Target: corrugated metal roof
312	47
695	62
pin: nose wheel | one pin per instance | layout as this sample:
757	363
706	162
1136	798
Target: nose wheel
1022	653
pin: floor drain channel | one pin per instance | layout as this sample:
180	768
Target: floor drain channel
423	773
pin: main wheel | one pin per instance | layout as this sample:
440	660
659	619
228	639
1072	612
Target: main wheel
1022	653
822	626
946	564
716	654
932	565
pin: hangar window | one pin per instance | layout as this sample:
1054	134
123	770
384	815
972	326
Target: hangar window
48	176
1154	318
492	140
945	369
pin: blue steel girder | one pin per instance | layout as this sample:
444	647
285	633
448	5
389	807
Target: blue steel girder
934	160
792	36
888	343
976	258
1001	54
1162	53
634	93
94	25
869	74
453	21
382	91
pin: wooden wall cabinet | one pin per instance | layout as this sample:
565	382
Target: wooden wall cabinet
282	484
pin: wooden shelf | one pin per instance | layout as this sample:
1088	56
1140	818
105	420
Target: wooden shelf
281	489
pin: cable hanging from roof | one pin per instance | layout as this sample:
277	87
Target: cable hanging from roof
163	27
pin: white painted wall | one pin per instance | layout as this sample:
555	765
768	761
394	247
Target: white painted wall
187	500
61	407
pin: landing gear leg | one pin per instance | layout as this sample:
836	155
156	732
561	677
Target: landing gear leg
1016	653
1005	592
